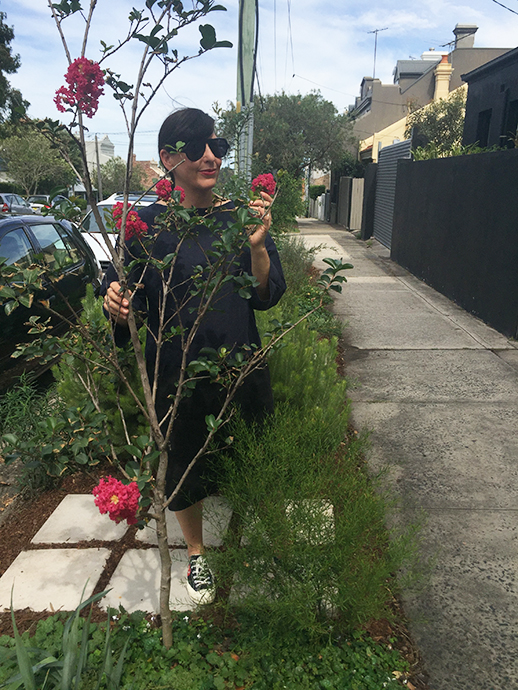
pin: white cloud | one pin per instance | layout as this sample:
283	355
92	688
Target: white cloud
327	47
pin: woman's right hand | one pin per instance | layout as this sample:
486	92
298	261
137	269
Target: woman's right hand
116	304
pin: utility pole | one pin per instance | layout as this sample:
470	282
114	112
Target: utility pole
98	166
375	32
246	58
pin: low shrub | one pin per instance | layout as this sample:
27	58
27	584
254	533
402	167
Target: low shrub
206	655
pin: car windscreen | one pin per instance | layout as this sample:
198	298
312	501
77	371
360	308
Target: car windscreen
89	223
55	244
16	248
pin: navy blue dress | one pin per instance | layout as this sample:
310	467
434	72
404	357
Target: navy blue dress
230	323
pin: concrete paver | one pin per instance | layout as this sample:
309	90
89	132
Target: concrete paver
76	519
438	391
51	579
136	581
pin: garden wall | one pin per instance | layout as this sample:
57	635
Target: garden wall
456	228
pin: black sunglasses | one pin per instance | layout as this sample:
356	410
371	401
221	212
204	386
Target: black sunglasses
195	149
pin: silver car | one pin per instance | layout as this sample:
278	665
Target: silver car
14	204
40	201
90	229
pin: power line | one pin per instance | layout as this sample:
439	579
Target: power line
505	7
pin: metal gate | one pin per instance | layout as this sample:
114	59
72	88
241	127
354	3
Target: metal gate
386	189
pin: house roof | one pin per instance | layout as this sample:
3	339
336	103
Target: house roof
414	68
491	66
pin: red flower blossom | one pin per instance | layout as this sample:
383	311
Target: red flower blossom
182	193
85	81
264	183
119	500
117	210
135	226
164	189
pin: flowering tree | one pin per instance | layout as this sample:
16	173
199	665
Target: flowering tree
145	475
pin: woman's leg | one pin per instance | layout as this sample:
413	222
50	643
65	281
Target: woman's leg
191	524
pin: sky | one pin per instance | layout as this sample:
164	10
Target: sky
302	47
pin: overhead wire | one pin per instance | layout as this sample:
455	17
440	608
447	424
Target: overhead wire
505	7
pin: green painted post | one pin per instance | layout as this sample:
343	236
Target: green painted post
247	47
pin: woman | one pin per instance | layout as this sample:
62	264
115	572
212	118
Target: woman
232	323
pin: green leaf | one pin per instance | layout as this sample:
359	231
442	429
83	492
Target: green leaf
133	450
142	442
7	292
9	307
11	439
24	662
208	39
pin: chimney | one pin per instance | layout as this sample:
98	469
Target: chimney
465	35
442	79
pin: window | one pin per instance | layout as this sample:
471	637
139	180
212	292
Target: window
55	243
484	121
16	248
511	125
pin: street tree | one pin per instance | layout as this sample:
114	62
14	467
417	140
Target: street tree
113	176
33	164
12	105
292	132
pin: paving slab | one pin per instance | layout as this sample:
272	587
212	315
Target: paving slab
447	456
510	357
216	514
51	579
389	327
135	583
464	619
431	376
77	519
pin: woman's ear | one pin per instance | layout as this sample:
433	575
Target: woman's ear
168	159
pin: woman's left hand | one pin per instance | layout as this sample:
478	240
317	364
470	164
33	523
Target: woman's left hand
261	208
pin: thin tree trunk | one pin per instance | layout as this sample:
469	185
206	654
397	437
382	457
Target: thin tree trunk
165	559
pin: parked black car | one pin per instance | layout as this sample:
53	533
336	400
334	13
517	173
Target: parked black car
21	239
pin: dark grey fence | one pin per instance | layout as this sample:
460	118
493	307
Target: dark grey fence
386	189
455	226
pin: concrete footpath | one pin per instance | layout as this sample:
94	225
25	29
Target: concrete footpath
439	391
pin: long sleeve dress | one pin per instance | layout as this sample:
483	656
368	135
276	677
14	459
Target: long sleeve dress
230	323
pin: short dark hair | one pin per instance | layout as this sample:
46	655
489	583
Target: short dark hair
184	125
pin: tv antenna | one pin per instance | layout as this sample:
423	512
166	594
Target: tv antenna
375	32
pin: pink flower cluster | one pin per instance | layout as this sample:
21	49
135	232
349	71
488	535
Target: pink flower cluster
134	225
164	189
85	81
264	183
119	500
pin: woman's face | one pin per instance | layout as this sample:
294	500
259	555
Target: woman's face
193	176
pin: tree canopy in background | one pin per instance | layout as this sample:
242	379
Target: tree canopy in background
292	132
439	124
113	174
12	105
33	164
